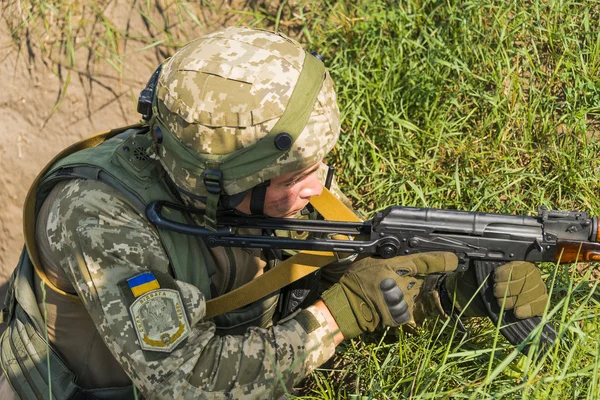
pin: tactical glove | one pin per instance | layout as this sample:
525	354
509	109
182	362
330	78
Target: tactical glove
519	281
377	293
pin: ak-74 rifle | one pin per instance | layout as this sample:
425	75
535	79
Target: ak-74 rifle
483	241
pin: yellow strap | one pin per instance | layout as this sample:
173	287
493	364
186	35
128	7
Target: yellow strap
289	270
331	208
29	207
285	273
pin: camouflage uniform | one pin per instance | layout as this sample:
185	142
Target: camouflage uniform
99	241
93	241
243	105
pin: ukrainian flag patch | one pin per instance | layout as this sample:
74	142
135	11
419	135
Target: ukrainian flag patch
143	283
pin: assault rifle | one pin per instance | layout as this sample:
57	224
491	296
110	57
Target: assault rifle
483	241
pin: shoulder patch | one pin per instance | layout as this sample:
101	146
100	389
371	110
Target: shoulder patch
157	312
159	320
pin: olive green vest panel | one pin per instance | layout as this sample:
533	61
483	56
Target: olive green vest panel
124	164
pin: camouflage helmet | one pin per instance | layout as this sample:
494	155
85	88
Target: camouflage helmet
239	107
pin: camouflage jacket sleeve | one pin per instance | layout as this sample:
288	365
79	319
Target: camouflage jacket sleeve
101	241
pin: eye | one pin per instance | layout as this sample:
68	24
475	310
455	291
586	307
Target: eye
298	179
292	183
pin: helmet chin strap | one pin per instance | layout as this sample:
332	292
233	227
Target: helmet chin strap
257	198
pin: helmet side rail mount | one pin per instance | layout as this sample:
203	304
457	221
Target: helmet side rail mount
144	105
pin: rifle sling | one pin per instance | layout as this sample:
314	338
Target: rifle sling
288	271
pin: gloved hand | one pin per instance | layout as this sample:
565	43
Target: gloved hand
520	281
380	292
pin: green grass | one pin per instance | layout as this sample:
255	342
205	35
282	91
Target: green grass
487	106
446	108
474	105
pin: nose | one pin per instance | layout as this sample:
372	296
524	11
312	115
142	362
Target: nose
312	186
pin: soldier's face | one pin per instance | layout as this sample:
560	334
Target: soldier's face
289	193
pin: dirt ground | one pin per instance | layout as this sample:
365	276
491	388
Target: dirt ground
98	97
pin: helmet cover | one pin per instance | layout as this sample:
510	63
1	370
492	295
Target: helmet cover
219	95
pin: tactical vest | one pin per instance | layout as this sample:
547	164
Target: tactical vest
29	362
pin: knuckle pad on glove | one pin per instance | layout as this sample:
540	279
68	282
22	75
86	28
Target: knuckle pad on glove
399	312
392	294
394	299
387	284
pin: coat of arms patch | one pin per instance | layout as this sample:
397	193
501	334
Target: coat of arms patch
160	320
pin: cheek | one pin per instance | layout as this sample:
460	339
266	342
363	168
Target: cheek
282	198
280	203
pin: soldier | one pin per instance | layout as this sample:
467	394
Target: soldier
240	119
